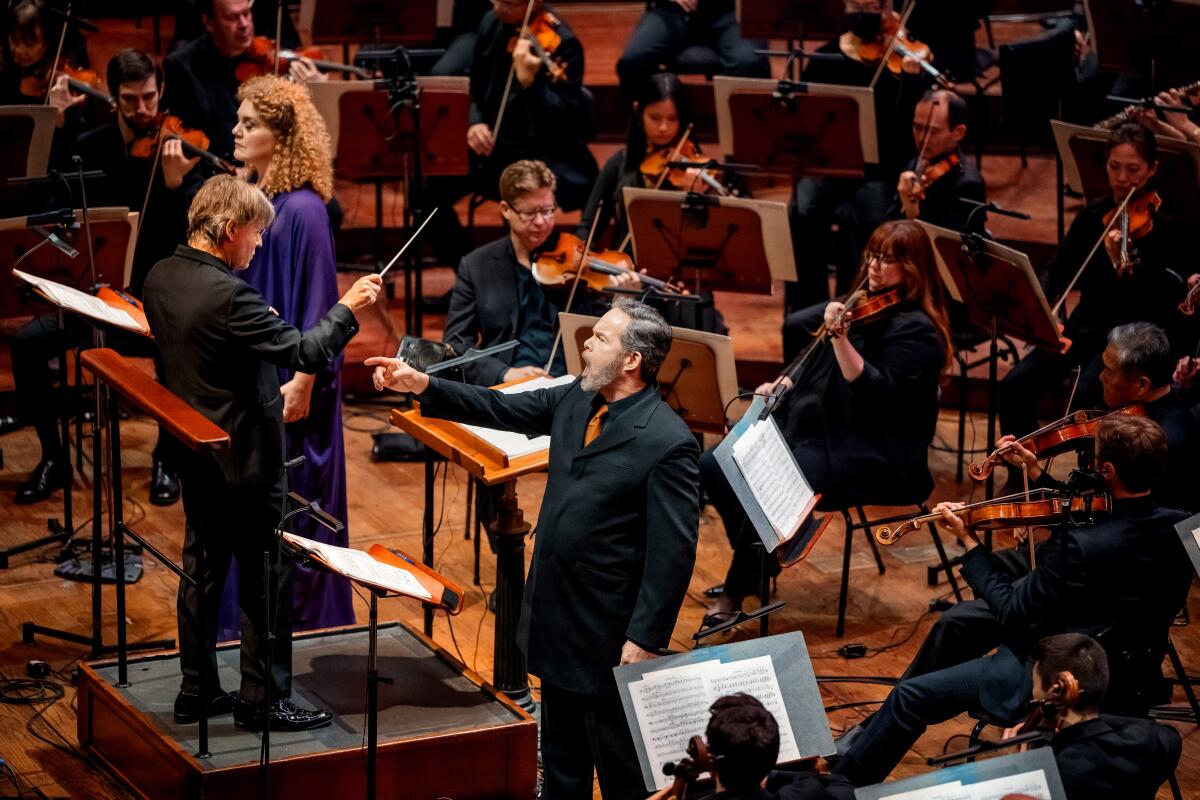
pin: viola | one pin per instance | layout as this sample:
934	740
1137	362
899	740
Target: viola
544	39
1135	221
896	43
1048	715
1046	507
655	170
195	142
686	770
561	263
1069	433
260	60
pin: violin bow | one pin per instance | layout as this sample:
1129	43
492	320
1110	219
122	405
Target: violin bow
278	34
587	246
661	178
1079	272
62	38
891	45
512	72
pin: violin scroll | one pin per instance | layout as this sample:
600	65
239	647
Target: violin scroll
888	536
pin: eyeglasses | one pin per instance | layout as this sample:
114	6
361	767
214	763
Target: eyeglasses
882	258
529	216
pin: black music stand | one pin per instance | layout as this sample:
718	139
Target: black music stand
372	21
25	136
1001	295
1154	39
711	243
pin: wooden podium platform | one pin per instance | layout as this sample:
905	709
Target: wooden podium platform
443	732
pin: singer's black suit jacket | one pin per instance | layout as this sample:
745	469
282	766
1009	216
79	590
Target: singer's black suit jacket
616	535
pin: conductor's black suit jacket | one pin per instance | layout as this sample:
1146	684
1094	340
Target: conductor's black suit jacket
222	347
616	535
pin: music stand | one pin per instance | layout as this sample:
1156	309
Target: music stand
797	129
728	244
369	21
1144	38
26	133
1001	294
697	379
378	137
1083	152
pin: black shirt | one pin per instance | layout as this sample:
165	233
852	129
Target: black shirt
1115	758
943	205
535	324
200	88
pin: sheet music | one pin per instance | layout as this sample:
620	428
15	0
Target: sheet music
1032	783
773	477
514	444
80	302
672	705
358	565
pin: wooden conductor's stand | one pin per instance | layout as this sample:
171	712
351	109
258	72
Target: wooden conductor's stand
484	462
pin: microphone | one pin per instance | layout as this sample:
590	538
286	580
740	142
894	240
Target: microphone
53	238
62	217
995	209
295	462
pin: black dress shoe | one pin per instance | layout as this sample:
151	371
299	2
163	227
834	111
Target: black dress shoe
187	706
283	716
47	477
164	486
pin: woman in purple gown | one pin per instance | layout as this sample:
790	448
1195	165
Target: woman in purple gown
282	140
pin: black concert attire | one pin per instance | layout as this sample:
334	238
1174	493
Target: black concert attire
189	25
1122	580
1149	293
817	200
860	442
786	785
464	32
496	299
616	542
666	30
222	348
1116	758
948	28
200	88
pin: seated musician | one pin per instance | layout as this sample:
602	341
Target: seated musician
1147	291
496	297
136	82
848	62
742	738
30	45
862	411
464	32
1124	576
933	185
189	22
1099	756
671	26
1178	125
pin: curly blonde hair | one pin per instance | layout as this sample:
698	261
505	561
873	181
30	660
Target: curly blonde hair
302	156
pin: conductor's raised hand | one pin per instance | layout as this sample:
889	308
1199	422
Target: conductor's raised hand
394	374
362	293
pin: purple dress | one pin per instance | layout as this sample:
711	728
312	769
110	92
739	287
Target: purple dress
296	272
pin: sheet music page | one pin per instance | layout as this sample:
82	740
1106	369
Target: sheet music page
1032	783
946	791
514	444
770	471
756	676
80	302
357	564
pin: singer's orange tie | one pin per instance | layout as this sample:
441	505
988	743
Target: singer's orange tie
594	425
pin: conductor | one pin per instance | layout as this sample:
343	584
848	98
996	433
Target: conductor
616	537
222	347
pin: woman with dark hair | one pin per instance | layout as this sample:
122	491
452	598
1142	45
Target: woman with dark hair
860	415
1149	291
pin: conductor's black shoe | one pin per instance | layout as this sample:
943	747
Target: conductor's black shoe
187	706
283	716
164	486
47	477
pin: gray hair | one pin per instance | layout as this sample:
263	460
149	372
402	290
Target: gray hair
224	199
647	334
1142	348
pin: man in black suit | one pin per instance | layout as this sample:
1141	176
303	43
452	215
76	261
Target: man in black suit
222	347
1099	756
616	537
1125	577
496	297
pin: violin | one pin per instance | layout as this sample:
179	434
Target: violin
260	60
654	168
1188	306
894	42
195	142
39	81
555	266
544	39
1048	715
1135	220
1046	507
1060	436
932	174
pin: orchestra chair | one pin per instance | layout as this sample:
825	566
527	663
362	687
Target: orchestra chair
1038	74
965	343
696	59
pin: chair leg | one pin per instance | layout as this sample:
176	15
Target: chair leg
862	516
976	736
841	620
1188	690
949	570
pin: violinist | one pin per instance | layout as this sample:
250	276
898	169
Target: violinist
1099	756
30	47
496	297
862	411
671	26
1125	576
1149	291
